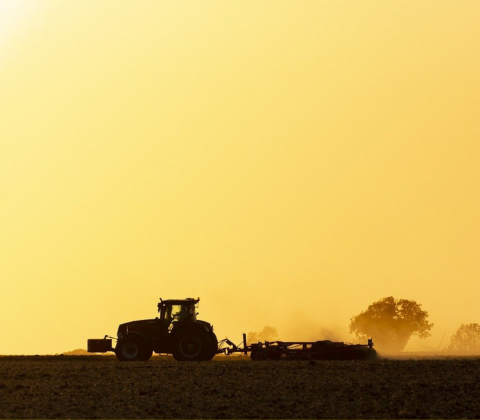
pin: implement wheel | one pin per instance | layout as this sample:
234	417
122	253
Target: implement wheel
258	355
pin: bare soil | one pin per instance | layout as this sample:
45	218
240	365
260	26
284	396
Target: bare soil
100	387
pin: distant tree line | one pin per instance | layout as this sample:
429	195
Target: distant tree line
466	340
392	322
267	334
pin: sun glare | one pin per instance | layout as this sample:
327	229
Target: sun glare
13	16
7	12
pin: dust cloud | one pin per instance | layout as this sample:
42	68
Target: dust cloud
310	331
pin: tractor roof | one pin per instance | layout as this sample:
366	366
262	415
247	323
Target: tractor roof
179	301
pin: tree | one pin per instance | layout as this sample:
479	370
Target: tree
391	322
465	340
267	334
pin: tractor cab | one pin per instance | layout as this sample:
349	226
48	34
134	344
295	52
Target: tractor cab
173	311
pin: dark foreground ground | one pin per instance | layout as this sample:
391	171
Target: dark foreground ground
100	387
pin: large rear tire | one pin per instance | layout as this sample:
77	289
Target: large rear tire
190	344
210	354
131	349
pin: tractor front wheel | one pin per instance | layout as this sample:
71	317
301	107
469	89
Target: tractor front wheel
132	349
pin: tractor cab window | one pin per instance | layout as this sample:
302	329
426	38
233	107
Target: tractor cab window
180	312
168	313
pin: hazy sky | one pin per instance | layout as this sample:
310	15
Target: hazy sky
289	162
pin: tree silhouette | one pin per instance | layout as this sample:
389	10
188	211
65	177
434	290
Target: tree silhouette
391	323
465	340
267	334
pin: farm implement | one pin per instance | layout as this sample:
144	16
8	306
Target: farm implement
177	331
301	350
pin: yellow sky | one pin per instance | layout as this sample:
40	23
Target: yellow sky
288	162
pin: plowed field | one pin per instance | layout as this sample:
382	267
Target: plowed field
101	387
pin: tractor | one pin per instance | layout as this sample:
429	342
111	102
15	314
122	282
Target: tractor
175	331
178	332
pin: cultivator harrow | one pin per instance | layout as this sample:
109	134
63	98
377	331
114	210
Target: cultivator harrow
300	350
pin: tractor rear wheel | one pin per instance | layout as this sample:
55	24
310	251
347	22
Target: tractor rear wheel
190	344
130	349
212	338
